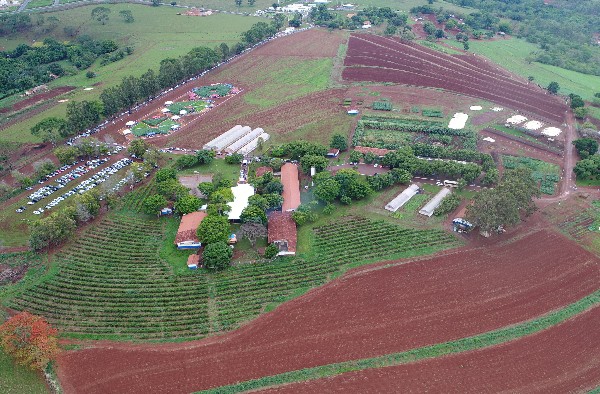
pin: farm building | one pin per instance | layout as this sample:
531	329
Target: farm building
193	261
227	138
241	193
377	151
186	237
291	187
260	171
282	232
402	198
244	140
253	144
435	202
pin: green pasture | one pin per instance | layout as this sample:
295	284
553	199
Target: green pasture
512	55
288	78
39	3
16	379
156	34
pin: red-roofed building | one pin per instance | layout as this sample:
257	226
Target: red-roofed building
260	171
186	237
193	261
377	151
282	232
291	187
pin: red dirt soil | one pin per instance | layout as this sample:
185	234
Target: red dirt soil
38	98
366	313
561	359
383	59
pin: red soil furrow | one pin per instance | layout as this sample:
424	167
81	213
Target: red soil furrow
381	59
561	359
363	314
423	54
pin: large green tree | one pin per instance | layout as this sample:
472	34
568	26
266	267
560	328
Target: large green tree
187	204
101	14
50	129
217	255
153	204
214	228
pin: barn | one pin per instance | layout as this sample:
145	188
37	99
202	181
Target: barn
282	232
186	237
291	187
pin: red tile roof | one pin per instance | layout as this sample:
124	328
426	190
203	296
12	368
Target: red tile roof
291	187
260	171
193	259
187	227
282	227
377	151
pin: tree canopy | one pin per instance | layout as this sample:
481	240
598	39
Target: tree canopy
214	228
217	255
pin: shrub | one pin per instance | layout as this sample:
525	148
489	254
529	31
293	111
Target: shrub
271	251
217	256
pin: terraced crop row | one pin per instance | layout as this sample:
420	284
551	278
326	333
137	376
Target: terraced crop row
111	283
133	201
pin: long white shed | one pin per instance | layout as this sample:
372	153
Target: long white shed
435	202
227	138
402	198
248	148
240	143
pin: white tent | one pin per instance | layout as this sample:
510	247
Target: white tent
175	117
164	110
168	102
130	123
182	112
126	131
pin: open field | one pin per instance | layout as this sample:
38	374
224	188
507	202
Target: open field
512	55
156	34
16	379
381	59
454	295
563	358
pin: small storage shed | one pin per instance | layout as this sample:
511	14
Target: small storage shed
282	232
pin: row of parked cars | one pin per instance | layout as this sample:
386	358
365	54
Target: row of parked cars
88	184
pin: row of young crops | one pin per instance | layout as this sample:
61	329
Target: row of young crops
546	174
111	284
353	239
133	201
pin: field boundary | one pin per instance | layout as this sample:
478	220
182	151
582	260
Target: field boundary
487	339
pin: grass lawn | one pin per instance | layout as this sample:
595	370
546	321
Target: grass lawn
514	132
39	3
15	379
512	53
287	79
588	182
217	166
156	34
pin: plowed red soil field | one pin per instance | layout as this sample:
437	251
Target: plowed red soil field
562	359
366	313
383	59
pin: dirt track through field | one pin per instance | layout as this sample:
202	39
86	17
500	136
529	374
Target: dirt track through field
561	359
361	315
381	59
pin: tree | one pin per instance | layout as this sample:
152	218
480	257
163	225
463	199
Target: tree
186	161
238	3
155	3
151	157
251	3
271	251
252	231
507	203
137	148
165	174
30	340
217	256
466	46
576	101
429	28
101	14
87	205
439	33
355	157
319	162
259	201
51	230
587	168
66	154
531	78
254	214
205	156
586	147
83	115
339	141
127	16
43	167
327	190
214	228
153	204
352	184
273	187
171	189
187	204
235	158
491	177
278	21
553	87
50	129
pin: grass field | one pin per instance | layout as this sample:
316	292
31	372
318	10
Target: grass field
39	3
512	53
156	34
15	379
